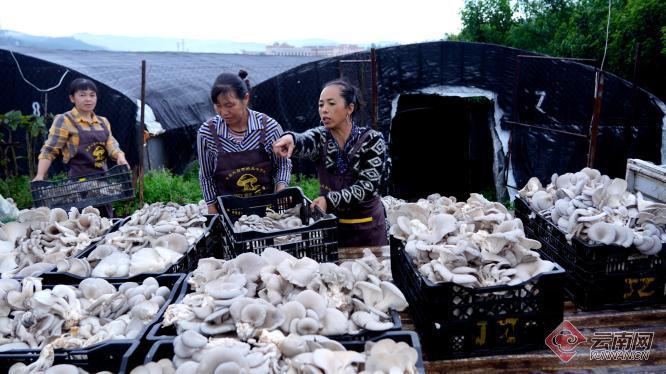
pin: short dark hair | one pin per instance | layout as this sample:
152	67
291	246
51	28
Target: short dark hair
82	84
349	93
226	83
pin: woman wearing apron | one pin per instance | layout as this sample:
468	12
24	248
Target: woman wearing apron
83	138
234	147
350	163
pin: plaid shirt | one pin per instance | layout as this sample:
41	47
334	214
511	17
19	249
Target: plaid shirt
64	136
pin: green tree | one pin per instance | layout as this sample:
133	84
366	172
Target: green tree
577	28
486	21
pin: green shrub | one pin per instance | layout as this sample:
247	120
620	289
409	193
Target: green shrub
18	188
309	185
191	172
162	185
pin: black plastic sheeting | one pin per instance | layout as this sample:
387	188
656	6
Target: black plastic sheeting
630	124
292	97
177	88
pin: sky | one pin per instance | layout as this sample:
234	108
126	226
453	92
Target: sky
261	21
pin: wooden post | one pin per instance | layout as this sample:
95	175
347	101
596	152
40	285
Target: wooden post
596	117
141	138
373	73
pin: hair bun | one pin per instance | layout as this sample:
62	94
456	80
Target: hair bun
242	74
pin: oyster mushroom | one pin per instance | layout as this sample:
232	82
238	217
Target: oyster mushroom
370	321
219	359
94	288
218	322
299	272
313	301
602	232
441	225
336	362
252	315
226	288
541	200
387	356
12	231
175	242
392	298
275	257
533	185
334	323
249	264
292	310
116	264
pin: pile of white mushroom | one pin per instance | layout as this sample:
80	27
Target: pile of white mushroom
272	221
598	209
275	353
40	237
273	291
153	239
476	243
73	317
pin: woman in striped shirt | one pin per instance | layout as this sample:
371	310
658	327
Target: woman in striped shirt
234	147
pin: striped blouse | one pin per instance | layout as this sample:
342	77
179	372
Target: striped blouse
207	151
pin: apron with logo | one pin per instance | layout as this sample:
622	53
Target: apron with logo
360	224
245	173
91	156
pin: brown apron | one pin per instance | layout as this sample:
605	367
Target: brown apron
245	173
360	224
91	156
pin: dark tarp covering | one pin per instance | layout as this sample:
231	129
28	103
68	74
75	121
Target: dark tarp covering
177	87
630	126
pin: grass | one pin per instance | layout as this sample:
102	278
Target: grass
163	185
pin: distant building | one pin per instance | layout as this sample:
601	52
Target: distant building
284	49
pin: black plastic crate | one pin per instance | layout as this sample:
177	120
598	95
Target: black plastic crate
317	241
96	189
117	223
108	348
621	290
591	258
617	291
456	321
159	332
598	276
213	237
201	248
164	348
110	356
